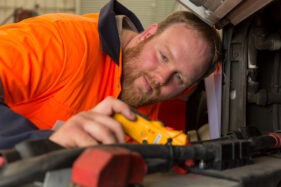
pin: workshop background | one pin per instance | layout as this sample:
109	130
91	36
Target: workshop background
149	11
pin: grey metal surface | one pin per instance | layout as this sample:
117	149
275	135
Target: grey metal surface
61	178
246	9
194	180
266	171
207	13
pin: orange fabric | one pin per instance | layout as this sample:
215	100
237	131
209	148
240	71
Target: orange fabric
53	67
151	111
173	114
188	90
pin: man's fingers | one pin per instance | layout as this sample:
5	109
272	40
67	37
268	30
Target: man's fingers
71	135
109	123
93	125
84	141
101	133
109	106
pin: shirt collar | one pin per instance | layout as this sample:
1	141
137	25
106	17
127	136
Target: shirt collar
108	31
124	23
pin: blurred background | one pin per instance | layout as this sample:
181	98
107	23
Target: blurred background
149	11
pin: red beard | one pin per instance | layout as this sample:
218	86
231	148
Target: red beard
136	96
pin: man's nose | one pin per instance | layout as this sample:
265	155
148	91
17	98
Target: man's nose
164	75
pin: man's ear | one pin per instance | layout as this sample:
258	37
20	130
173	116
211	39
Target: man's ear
148	32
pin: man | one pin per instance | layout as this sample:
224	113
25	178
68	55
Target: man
61	67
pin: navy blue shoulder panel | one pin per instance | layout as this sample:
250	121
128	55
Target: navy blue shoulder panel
107	28
15	128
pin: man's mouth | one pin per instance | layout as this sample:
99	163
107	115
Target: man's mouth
147	85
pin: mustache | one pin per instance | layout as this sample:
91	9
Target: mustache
153	83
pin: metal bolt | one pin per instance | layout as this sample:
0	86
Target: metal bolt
233	94
208	12
202	164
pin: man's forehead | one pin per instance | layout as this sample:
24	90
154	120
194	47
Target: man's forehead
179	26
188	49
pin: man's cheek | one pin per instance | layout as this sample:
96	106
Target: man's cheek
169	92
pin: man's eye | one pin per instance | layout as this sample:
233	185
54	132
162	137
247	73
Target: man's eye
179	77
164	58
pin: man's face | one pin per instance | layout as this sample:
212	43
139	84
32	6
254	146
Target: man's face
162	66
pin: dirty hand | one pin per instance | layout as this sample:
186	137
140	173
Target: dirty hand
94	126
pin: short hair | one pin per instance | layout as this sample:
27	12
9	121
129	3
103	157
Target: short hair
209	34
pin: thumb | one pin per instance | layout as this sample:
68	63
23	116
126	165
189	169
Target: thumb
110	106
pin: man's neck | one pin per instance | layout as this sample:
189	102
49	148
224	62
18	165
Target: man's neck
128	39
126	30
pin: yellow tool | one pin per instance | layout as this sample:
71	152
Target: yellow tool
144	130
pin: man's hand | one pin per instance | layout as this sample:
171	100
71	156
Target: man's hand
94	126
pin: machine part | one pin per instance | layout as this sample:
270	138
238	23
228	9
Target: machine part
208	4
95	166
33	168
264	41
261	39
157	165
226	7
30	169
235	81
265	172
34	148
243	11
253	83
59	178
194	180
10	155
276	110
277	138
263	105
246	133
2	161
29	149
226	87
202	164
217	154
210	11
264	98
198	2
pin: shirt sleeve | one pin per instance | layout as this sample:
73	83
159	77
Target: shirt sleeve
26	49
15	128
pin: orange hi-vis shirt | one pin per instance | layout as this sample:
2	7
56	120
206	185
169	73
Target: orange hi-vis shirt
53	67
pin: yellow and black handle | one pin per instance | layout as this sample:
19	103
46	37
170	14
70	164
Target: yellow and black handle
144	130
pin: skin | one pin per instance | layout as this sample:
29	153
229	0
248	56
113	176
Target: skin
155	69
